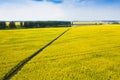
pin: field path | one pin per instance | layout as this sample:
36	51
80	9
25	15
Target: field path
21	64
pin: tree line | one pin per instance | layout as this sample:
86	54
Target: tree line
34	24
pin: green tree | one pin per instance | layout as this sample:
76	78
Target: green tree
12	25
21	24
2	25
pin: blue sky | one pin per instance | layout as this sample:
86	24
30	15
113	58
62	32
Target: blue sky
59	9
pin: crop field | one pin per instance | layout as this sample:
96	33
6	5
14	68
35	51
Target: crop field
16	45
82	53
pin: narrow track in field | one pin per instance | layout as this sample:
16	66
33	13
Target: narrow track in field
21	64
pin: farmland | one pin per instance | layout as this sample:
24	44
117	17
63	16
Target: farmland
15	45
82	53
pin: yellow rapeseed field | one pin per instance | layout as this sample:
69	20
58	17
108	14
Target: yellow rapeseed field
83	53
16	45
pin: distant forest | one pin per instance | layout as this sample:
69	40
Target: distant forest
44	24
33	24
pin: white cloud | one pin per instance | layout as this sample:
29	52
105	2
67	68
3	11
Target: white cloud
32	11
69	10
93	13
